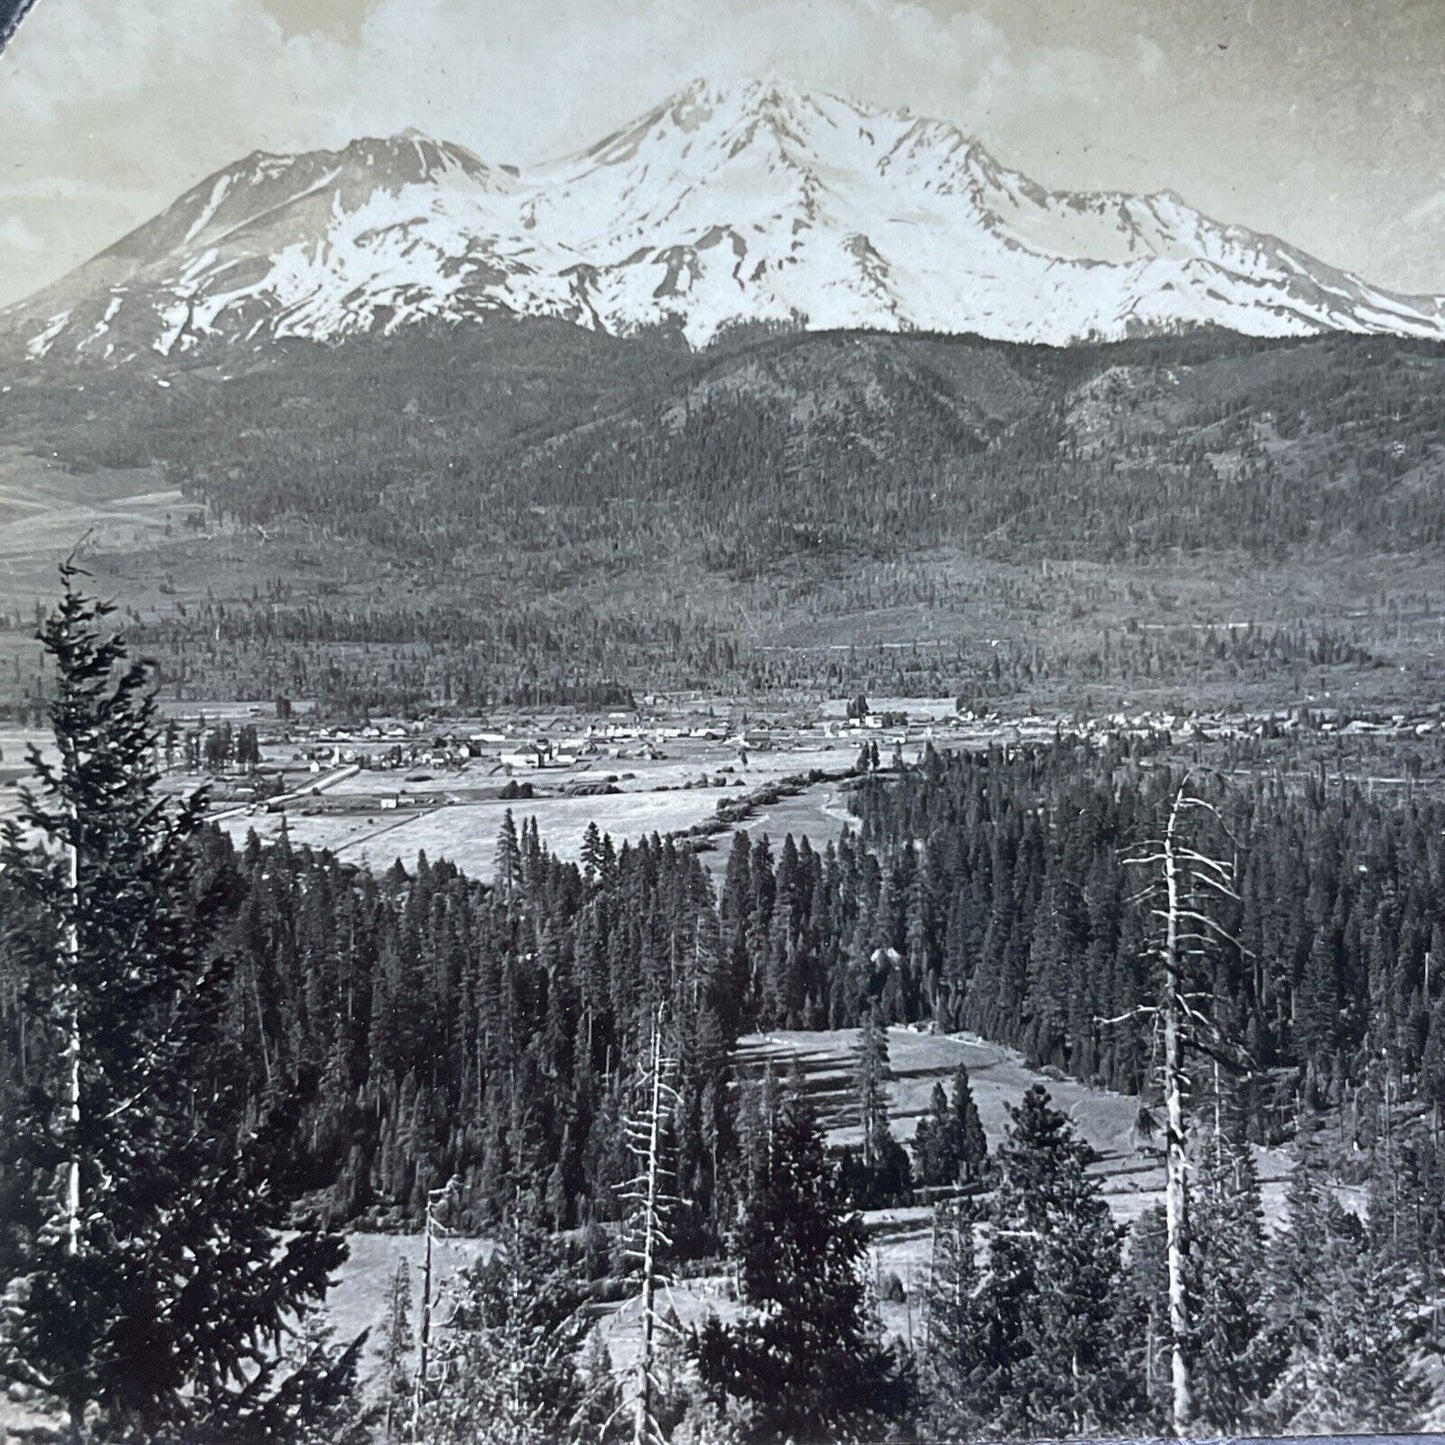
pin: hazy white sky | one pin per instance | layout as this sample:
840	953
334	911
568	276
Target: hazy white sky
1318	120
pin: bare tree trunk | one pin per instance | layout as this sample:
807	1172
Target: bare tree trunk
72	1044
424	1333
71	1027
650	1203
642	1429
1188	929
1176	1191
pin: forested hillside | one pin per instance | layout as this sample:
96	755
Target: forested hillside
523	510
841	446
1011	898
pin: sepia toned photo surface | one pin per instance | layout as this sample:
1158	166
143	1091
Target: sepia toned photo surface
722	722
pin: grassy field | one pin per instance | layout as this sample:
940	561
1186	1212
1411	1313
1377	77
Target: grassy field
1133	1177
457	815
818	813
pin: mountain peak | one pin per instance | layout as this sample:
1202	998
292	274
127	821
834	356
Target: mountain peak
730	201
412	156
755	91
770	96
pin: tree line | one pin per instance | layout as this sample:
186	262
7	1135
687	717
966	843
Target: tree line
372	661
1006	900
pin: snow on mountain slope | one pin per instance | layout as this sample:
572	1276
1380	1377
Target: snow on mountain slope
751	203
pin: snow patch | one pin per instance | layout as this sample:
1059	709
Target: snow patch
212	205
41	343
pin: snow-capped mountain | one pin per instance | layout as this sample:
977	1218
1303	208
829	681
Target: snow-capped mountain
750	203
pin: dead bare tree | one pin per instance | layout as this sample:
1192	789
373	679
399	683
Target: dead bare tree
434	1199
650	1204
1188	878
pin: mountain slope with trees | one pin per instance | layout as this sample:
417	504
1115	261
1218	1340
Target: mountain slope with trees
530	512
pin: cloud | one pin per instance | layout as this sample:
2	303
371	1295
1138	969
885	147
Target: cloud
15	235
504	76
490	77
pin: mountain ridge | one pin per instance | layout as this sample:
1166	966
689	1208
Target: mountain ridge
724	205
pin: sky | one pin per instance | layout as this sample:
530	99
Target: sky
1316	120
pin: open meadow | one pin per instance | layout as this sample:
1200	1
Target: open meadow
366	817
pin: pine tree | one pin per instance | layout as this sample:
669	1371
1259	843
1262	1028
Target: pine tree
1053	1288
153	1293
870	1082
1146	1313
591	851
397	1343
949	1145
883	1173
808	1357
954	1353
933	1163
318	1403
1234	1356
509	857
967	1126
1341	1304
507	1368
